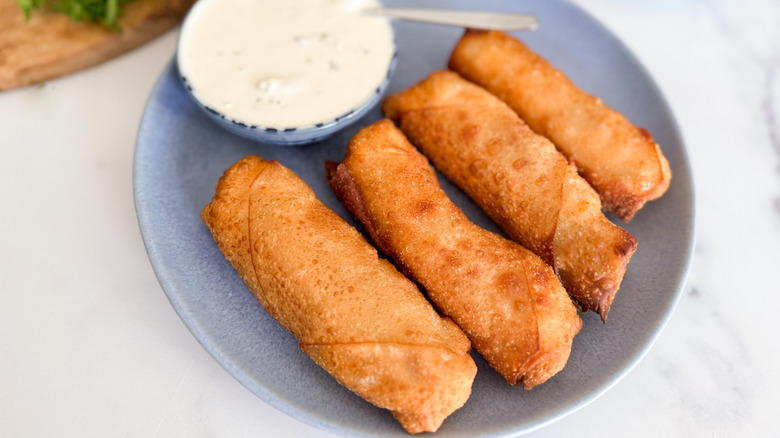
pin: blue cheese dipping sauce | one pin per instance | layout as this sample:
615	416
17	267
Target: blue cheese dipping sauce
284	65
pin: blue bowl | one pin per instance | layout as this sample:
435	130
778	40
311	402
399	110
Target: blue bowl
286	135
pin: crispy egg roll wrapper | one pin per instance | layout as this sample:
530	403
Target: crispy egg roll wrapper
620	160
520	180
507	300
353	313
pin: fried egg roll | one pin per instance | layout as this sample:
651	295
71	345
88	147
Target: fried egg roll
621	161
507	300
353	313
520	180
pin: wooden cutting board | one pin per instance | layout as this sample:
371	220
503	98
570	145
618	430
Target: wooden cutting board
50	45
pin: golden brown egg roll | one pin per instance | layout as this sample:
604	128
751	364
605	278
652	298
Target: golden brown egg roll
520	180
621	161
353	313
507	300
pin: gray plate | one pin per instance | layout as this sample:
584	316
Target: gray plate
180	154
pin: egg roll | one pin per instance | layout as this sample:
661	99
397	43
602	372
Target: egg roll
353	313
621	161
505	298
520	180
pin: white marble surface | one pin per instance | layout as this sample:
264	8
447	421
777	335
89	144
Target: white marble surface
91	347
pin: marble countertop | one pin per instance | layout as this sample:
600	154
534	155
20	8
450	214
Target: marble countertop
91	346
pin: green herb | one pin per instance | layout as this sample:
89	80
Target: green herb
96	11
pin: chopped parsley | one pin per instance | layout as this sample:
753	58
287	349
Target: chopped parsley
96	11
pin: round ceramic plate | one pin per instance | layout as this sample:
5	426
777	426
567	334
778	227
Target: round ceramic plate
180	155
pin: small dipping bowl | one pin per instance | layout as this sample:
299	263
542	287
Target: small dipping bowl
285	73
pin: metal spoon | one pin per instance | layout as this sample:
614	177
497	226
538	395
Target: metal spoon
470	19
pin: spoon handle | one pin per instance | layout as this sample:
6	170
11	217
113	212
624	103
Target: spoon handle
470	19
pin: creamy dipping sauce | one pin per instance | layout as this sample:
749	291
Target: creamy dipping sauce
282	63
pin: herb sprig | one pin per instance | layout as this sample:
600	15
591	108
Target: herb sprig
96	11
